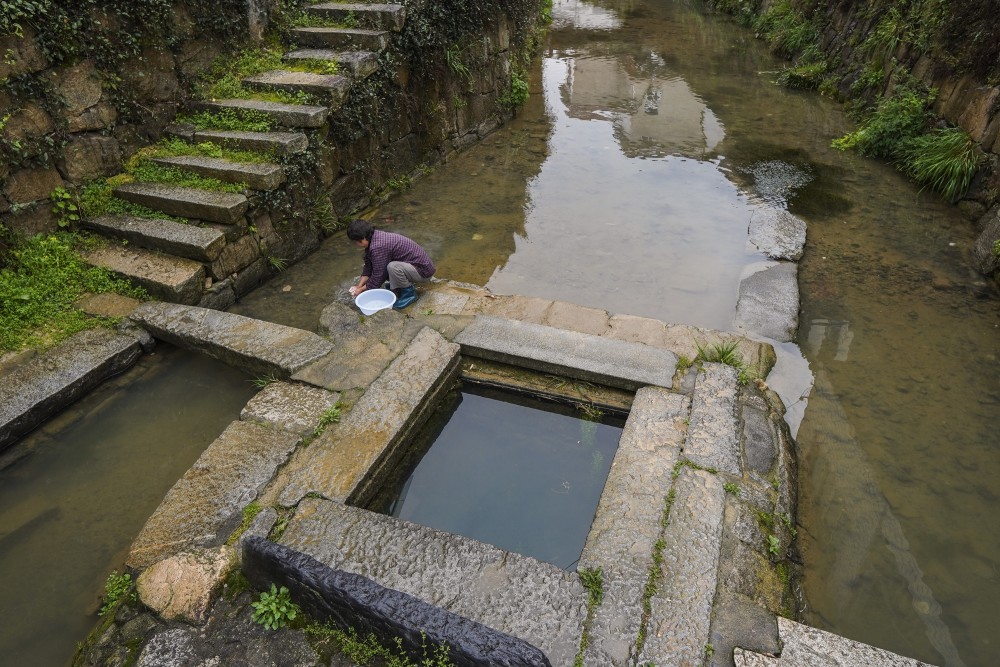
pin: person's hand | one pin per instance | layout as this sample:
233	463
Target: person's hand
353	289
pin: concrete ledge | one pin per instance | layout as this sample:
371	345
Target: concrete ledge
36	390
254	346
714	435
206	504
581	356
346	462
628	520
680	622
809	647
515	594
359	603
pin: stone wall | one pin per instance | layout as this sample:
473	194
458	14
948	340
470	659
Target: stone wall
421	105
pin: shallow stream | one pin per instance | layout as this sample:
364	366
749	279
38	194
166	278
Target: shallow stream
627	183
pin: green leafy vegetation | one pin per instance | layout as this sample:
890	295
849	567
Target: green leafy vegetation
250	512
369	651
118	588
40	280
592	580
245	120
66	206
518	93
773	545
944	160
731	488
274	609
330	416
895	120
174	147
98	199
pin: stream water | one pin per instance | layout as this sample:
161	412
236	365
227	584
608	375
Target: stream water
653	133
76	492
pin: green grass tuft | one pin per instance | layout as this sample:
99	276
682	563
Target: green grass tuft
944	160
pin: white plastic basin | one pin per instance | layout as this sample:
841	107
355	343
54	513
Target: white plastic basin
373	300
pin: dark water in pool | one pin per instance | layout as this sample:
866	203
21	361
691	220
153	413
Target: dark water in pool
518	473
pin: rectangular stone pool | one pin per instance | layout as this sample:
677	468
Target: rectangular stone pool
507	469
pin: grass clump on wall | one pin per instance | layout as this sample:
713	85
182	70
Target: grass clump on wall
944	160
42	277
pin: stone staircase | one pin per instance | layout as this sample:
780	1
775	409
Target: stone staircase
201	261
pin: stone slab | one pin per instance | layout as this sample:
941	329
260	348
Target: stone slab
333	87
515	594
257	347
627	523
166	277
285	115
680	620
169	236
768	304
714	435
277	143
345	463
778	234
292	407
367	14
581	356
341	38
569	316
393	617
206	504
225	208
358	64
182	587
34	391
256	175
808	647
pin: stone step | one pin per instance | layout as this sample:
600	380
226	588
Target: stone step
165	277
332	87
223	207
257	175
283	115
201	244
276	143
358	64
341	38
366	15
174	238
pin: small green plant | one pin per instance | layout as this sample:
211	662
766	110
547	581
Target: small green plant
264	380
369	651
895	120
245	120
684	362
250	512
806	76
66	206
731	488
453	57
726	352
274	609
766	519
944	160
787	520
330	416
590	412
118	588
518	92
592	579
996	248
709	650
773	545
279	263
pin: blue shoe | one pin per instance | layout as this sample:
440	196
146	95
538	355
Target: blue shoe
407	295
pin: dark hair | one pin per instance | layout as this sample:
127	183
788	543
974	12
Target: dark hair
358	229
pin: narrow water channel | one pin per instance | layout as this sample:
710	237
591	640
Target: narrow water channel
653	133
76	492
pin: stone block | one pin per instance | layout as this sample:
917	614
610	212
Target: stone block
34	391
569	316
713	436
80	86
351	600
778	234
206	504
768	304
292	407
29	122
30	185
88	157
258	347
347	464
535	601
180	588
235	257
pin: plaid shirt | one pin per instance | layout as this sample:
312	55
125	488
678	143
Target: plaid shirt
387	247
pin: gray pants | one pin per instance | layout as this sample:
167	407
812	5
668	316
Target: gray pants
403	274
